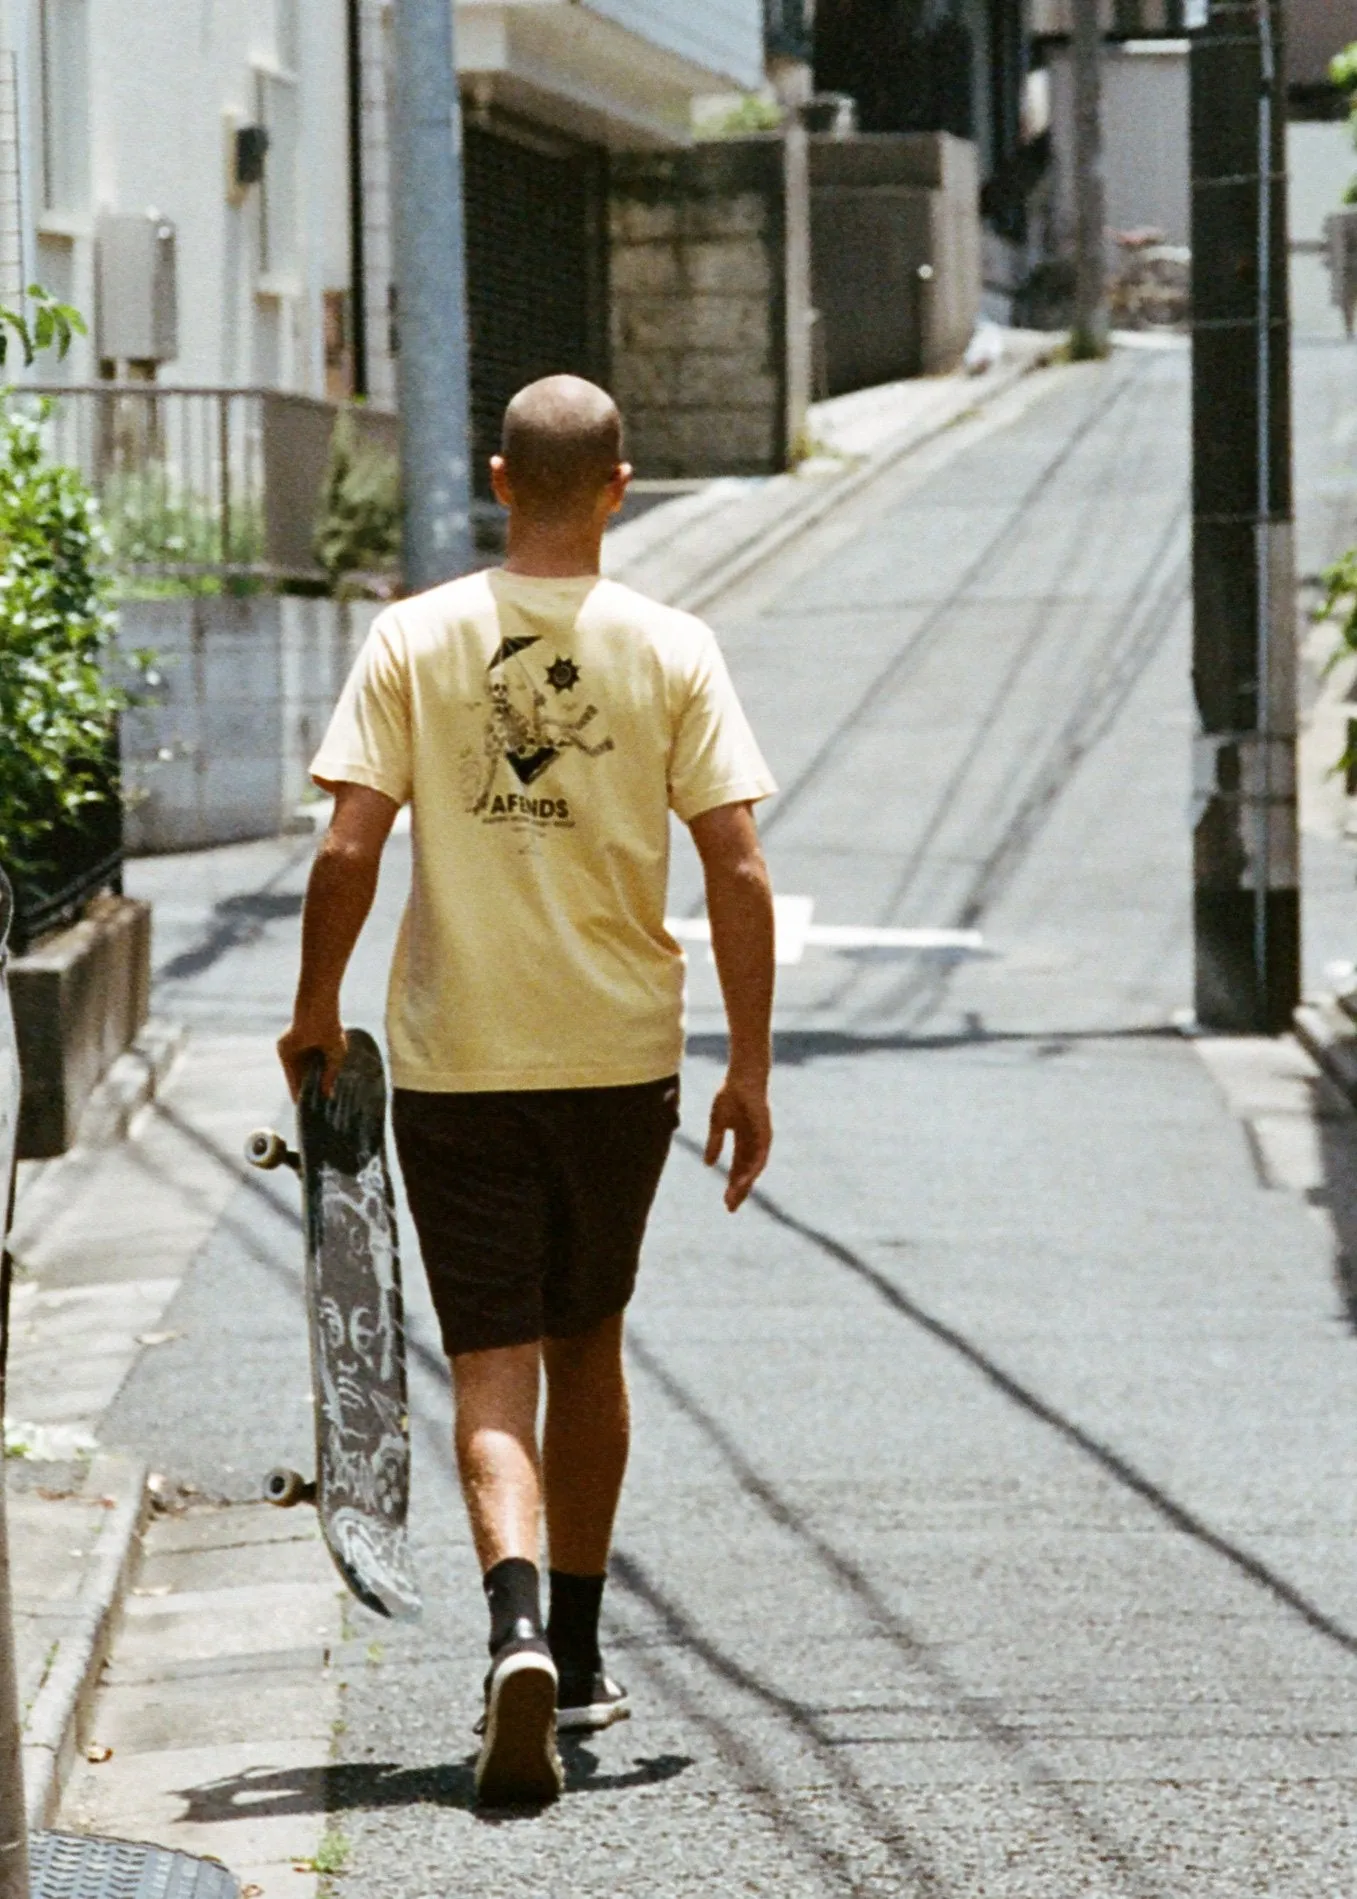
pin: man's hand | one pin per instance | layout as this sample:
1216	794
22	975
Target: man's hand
741	1108
297	1049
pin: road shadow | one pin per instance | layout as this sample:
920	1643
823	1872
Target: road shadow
797	1048
371	1786
236	922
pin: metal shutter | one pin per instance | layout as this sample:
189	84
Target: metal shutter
536	272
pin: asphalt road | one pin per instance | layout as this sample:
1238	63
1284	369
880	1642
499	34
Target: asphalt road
990	1521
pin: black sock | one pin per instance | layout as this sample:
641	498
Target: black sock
514	1591
572	1630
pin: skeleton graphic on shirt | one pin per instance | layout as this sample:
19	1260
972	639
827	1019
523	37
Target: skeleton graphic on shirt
521	730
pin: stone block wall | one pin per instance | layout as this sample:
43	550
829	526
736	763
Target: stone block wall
699	330
246	690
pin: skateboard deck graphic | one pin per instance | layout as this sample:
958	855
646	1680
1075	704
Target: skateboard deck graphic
357	1326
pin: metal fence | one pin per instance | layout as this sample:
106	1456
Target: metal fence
211	484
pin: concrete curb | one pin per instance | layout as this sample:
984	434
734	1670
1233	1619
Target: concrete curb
808	503
54	1728
1328	1032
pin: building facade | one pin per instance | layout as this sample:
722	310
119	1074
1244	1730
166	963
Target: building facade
236	153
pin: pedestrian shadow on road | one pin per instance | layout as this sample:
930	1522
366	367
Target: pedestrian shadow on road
369	1786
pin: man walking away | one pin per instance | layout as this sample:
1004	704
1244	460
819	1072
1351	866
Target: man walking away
542	723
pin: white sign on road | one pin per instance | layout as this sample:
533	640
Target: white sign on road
796	933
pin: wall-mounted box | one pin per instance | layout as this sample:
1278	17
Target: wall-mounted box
138	288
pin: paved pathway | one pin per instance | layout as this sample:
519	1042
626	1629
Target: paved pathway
990	1523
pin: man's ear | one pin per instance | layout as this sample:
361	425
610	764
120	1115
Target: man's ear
618	484
499	481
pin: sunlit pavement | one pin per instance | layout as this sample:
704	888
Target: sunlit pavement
990	1522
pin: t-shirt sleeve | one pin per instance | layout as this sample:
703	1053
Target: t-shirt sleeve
714	758
368	741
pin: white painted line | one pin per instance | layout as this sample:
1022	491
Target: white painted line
796	933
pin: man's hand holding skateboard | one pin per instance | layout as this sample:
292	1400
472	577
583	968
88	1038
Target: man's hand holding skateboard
311	1035
338	898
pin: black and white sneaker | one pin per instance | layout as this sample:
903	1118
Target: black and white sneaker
586	1703
519	1765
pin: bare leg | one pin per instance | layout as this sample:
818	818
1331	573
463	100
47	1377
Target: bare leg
496	1439
584	1451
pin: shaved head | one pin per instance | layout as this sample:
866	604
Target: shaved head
562	445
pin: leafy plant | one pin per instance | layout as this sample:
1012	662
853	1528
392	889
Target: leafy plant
330	1858
151	521
48	324
1343	70
753	113
57	705
359	524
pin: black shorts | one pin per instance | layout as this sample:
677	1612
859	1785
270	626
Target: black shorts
531	1206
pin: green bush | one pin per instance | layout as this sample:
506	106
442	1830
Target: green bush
58	708
151	522
358	529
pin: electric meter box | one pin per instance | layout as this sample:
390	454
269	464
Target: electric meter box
138	288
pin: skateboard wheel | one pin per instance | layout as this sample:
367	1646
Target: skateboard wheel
266	1150
287	1488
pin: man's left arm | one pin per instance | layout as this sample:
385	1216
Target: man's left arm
339	897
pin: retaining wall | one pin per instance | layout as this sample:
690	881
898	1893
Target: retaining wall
246	688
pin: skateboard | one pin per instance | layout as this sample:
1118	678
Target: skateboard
357	1325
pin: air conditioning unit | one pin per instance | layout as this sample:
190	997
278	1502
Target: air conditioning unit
138	288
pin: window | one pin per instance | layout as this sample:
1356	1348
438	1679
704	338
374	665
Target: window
64	53
278	200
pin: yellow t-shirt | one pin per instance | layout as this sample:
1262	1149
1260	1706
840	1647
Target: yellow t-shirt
541	731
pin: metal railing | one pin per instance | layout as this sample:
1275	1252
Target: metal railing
207	484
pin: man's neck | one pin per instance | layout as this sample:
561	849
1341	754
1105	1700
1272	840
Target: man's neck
543	552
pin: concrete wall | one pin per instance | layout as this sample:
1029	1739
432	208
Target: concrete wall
895	246
246	689
1145	124
1321	164
699	334
1315	31
79	1000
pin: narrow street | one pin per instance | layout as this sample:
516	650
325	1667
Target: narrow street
989	1529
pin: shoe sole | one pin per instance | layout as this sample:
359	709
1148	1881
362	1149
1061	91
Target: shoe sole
593	1719
519	1765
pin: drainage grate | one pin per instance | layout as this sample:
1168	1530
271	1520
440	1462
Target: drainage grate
66	1867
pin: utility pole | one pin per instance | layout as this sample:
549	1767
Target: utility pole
431	283
1246	840
358	270
1088	336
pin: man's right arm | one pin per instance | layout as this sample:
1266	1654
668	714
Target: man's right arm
740	907
339	896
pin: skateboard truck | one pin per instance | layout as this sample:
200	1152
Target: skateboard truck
266	1150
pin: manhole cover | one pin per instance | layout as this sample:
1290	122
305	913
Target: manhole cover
65	1866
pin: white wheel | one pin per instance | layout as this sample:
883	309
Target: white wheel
266	1150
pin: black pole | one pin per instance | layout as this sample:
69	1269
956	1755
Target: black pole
357	203
1246	840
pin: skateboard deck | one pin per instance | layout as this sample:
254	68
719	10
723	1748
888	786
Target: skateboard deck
356	1321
